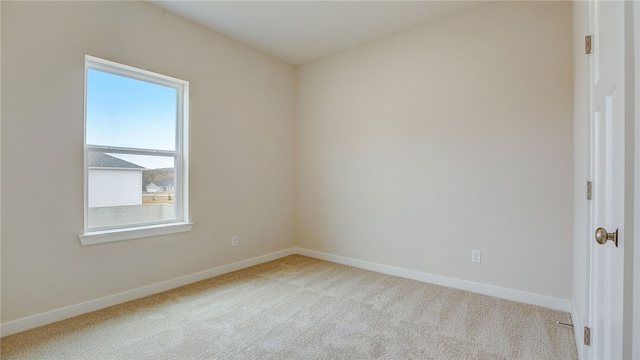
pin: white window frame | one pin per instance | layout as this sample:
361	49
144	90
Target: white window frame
181	222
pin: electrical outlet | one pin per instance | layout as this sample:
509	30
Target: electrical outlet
234	240
476	256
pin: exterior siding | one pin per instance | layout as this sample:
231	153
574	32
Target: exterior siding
152	188
114	187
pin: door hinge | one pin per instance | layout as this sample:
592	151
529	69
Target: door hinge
589	191
587	44
587	336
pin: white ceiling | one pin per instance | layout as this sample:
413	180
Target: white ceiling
301	31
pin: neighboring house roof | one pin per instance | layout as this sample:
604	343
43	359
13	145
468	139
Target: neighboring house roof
102	160
165	183
152	185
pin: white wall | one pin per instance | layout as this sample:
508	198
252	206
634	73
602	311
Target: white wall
411	151
241	169
114	187
416	149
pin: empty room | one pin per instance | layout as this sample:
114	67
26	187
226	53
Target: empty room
320	179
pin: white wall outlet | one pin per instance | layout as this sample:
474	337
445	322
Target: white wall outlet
234	240
476	256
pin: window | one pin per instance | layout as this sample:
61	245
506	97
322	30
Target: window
135	153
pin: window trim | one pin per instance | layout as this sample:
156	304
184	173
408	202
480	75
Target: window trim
181	154
97	237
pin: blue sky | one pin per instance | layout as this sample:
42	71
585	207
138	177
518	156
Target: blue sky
131	113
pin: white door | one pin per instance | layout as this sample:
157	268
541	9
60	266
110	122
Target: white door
608	147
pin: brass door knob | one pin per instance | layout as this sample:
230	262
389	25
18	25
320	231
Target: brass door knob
602	236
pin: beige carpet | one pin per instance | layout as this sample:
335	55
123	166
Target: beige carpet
302	308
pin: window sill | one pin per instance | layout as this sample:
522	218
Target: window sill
97	237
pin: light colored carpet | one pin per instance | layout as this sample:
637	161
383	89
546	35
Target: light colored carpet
303	308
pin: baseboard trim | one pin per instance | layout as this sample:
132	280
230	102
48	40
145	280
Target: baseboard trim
490	290
30	322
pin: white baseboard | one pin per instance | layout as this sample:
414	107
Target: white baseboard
30	322
495	291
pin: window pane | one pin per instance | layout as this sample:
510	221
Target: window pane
125	112
128	189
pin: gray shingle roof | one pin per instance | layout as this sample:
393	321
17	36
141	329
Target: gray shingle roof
102	160
164	182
